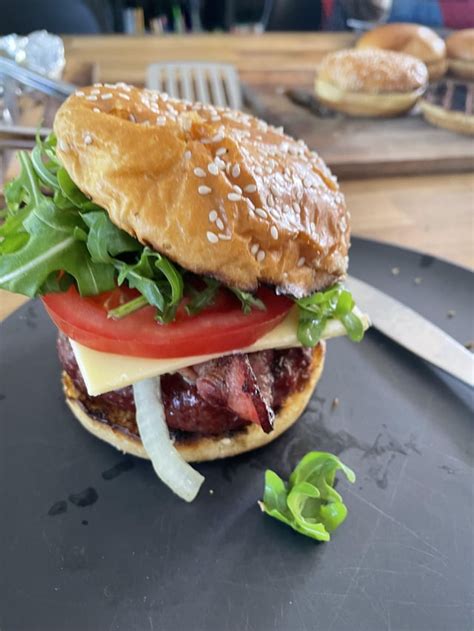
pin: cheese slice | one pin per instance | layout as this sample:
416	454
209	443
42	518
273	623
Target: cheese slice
103	372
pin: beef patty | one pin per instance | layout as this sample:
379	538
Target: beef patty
212	398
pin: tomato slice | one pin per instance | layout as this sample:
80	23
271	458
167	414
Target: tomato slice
220	328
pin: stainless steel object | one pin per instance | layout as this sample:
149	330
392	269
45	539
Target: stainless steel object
412	331
216	84
24	76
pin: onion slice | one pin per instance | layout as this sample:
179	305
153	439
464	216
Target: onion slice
167	462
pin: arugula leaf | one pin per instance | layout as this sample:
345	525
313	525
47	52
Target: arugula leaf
308	503
202	299
248	300
105	240
317	309
46	244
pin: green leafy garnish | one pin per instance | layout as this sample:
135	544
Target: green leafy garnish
315	311
248	300
308	503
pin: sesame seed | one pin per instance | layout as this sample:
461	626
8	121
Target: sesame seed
220	224
63	145
287	209
213	168
198	172
269	170
251	214
270	200
91	97
204	190
164	96
274	190
187	155
260	256
161	120
261	213
106	97
218	137
258	170
124	96
308	181
96	109
296	207
221	151
301	261
95	91
313	226
274	232
224	237
250	188
79	93
213	216
88	139
213	238
250	203
234	197
110	85
215	118
254	248
131	117
237	189
235	170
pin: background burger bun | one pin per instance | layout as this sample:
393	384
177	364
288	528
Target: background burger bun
460	50
370	82
205	448
219	192
413	39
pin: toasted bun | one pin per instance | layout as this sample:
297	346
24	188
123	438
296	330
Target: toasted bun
217	191
370	82
460	48
201	449
412	39
448	119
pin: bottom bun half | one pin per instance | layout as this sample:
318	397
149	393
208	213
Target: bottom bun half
199	448
448	119
365	103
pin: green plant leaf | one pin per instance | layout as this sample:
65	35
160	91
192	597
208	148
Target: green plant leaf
308	503
316	310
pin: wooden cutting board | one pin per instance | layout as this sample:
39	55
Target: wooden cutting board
367	147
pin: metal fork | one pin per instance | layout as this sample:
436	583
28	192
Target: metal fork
216	84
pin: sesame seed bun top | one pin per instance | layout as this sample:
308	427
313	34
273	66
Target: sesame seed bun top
217	191
373	71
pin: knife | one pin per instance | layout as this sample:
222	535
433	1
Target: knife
412	331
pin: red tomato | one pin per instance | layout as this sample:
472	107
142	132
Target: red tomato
222	327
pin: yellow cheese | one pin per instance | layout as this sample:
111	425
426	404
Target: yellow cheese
103	372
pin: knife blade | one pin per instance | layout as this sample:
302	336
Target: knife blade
412	331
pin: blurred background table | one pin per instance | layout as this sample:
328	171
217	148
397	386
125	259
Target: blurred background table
430	213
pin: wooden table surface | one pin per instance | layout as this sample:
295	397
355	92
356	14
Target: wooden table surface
433	214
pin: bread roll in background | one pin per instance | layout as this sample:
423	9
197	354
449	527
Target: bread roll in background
370	82
460	51
413	39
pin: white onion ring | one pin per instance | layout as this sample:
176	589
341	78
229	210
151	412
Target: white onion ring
167	462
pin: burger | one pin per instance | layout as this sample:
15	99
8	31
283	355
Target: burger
191	258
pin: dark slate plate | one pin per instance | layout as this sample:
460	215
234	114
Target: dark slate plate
91	540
